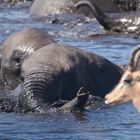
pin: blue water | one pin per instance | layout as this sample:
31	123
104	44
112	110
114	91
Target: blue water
102	123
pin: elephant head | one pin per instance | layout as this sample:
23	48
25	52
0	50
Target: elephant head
18	47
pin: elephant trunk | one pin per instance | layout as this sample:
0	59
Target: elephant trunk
36	93
103	19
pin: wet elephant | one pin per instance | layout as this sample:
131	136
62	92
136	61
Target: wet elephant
46	7
11	102
56	72
16	48
128	23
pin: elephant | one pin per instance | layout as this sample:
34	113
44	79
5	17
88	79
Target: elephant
55	72
16	48
122	23
47	7
12	103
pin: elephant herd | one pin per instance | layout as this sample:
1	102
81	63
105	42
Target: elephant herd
41	74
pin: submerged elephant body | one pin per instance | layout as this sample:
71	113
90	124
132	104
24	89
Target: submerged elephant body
11	102
56	72
18	47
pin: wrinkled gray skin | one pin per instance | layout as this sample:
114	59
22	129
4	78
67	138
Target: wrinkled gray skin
12	103
56	72
78	102
18	47
46	7
129	23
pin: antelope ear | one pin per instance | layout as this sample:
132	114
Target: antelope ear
136	103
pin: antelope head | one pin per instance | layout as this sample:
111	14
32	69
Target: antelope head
128	88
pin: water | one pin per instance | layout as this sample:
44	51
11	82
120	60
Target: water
108	123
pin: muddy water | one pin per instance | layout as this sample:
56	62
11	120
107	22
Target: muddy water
108	123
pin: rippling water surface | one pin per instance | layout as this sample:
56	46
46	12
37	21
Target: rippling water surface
108	123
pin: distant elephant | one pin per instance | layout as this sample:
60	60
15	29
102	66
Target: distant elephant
128	5
16	48
47	7
122	23
56	72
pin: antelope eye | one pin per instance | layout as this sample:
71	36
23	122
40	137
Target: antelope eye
138	78
127	80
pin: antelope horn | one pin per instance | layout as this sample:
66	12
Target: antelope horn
134	59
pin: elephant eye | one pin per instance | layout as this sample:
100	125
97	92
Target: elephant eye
17	56
17	60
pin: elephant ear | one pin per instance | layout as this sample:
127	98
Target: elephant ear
134	61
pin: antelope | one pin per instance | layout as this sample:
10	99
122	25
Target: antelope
128	88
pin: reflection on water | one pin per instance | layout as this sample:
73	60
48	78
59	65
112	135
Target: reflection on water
108	123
